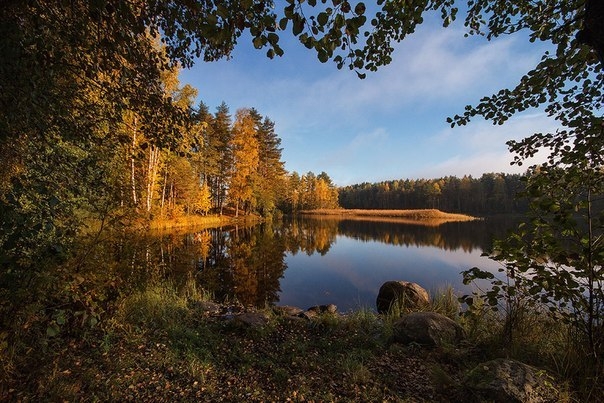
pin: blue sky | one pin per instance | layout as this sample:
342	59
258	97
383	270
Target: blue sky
391	125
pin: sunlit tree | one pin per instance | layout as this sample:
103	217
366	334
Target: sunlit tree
245	159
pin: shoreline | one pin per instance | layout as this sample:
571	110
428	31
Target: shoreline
198	222
419	216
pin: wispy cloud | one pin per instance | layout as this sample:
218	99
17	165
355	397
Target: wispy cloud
480	146
390	125
359	148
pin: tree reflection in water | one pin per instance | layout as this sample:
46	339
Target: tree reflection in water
332	261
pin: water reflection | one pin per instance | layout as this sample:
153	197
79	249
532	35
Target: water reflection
308	261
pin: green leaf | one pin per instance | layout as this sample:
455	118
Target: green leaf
258	42
273	38
322	18
298	26
323	56
360	9
60	318
283	24
53	330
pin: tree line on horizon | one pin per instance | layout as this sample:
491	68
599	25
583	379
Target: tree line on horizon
492	193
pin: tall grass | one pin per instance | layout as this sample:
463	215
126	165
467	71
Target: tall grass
162	304
189	221
446	302
417	216
533	336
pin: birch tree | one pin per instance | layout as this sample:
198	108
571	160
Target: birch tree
245	159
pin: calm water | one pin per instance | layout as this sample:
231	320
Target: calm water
304	262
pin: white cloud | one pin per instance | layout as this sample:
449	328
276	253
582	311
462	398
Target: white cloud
480	146
389	125
483	135
360	144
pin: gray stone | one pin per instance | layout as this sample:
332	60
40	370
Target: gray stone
504	380
403	295
330	308
252	319
287	310
428	329
207	307
310	315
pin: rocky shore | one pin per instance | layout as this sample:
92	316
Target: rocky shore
178	348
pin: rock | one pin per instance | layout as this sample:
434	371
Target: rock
310	315
427	328
252	319
314	311
207	307
320	309
504	380
405	295
287	310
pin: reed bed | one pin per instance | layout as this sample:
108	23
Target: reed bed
415	215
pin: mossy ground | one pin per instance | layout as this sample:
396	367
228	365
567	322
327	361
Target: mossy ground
159	344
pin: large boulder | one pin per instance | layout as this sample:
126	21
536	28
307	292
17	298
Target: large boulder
428	329
252	319
503	380
402	295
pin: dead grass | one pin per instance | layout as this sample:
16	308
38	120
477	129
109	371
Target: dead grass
198	221
419	216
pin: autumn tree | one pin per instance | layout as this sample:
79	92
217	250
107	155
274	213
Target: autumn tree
326	192
203	201
308	192
245	159
69	72
290	200
61	52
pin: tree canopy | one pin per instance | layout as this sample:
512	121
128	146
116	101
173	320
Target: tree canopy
90	75
94	126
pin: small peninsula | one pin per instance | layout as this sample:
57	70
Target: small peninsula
410	216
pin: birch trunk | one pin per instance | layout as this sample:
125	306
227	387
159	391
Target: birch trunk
132	163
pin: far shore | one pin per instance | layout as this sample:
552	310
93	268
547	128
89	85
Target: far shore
419	216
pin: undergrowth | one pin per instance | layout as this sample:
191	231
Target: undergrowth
156	342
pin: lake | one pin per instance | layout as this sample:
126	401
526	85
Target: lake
308	261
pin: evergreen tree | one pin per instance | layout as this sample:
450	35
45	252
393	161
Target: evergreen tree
220	144
271	170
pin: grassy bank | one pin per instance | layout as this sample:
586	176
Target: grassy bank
160	344
209	221
199	221
424	216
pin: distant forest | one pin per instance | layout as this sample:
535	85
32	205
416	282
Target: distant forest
492	193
